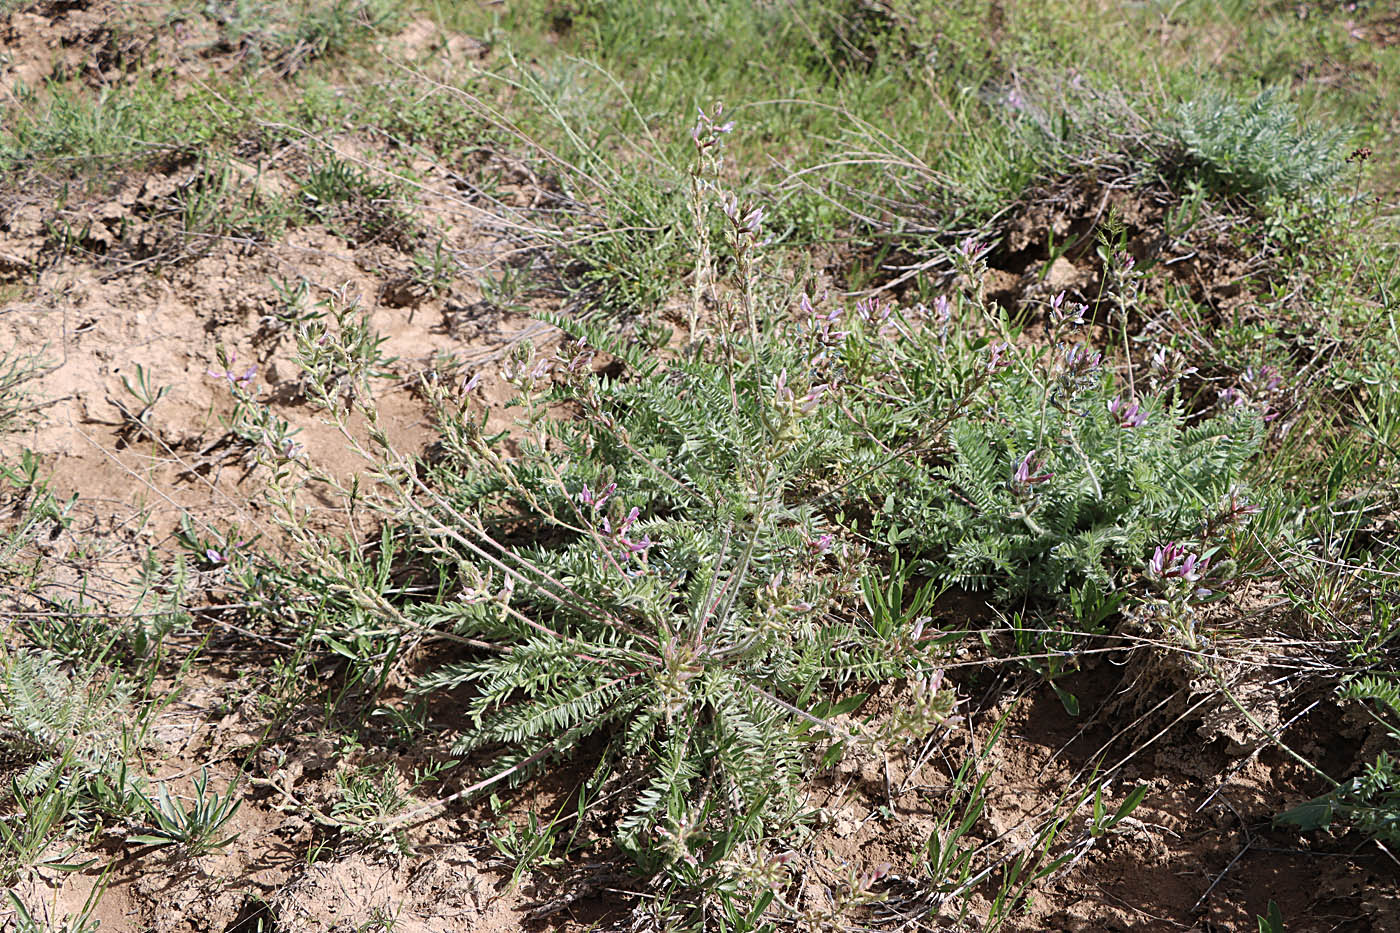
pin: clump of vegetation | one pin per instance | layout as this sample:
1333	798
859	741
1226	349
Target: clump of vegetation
814	468
682	601
1255	147
694	576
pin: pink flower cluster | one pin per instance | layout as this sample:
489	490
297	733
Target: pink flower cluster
1028	472
783	395
619	536
1128	412
1173	562
241	380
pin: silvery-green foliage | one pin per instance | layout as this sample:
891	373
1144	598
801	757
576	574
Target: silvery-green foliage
1255	147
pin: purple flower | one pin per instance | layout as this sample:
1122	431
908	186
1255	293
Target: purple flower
994	355
822	544
874	310
1129	413
1167	364
242	380
941	308
215	556
706	131
1266	378
1079	361
1060	313
618	536
970	249
1174	562
1027	471
1162	557
598	499
1192	567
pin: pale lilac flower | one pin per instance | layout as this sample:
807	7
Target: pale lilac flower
729	203
941	309
1174	562
1163	557
618	536
599	498
1079	361
215	556
1027	471
1060	313
822	324
706	131
471	384
753	221
1192	567
1266	378
747	223
970	248
242	380
874	309
1129	413
1169	364
995	349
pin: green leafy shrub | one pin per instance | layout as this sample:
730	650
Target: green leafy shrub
1110	492
1025	472
635	569
1254	147
681	597
686	568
